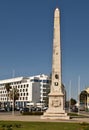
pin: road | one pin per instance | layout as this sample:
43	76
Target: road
10	113
10	116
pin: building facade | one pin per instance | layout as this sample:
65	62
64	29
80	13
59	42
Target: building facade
84	98
44	87
31	90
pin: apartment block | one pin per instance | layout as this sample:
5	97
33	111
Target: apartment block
32	89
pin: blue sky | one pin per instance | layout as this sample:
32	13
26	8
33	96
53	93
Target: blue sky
26	34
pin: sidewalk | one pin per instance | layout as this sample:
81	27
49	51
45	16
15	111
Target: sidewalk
38	119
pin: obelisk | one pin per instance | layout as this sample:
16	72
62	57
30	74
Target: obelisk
56	96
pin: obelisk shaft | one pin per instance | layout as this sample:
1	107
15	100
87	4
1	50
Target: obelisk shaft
56	61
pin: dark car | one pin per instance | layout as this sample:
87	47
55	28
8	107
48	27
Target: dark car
33	108
38	109
74	109
24	110
44	108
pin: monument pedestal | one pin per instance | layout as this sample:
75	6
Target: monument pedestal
55	110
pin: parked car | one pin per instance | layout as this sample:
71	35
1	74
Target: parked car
24	110
2	109
82	108
38	109
74	109
44	108
33	109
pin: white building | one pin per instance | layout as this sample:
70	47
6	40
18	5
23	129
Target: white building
31	89
44	87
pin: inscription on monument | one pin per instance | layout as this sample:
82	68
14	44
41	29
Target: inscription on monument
56	103
56	83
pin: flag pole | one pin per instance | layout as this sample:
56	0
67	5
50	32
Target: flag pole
13	93
69	96
78	93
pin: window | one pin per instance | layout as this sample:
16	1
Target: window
15	86
27	94
40	80
45	81
35	80
27	85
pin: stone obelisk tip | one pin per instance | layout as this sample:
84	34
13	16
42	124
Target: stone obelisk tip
56	12
57	9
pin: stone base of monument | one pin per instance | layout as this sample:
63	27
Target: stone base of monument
49	115
56	105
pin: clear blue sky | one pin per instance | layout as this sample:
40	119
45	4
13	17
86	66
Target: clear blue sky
26	33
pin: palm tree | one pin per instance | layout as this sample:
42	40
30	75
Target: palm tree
14	95
8	87
72	101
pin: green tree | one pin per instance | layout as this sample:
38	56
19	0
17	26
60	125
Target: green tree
72	102
8	87
14	95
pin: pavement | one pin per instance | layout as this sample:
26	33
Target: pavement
30	118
